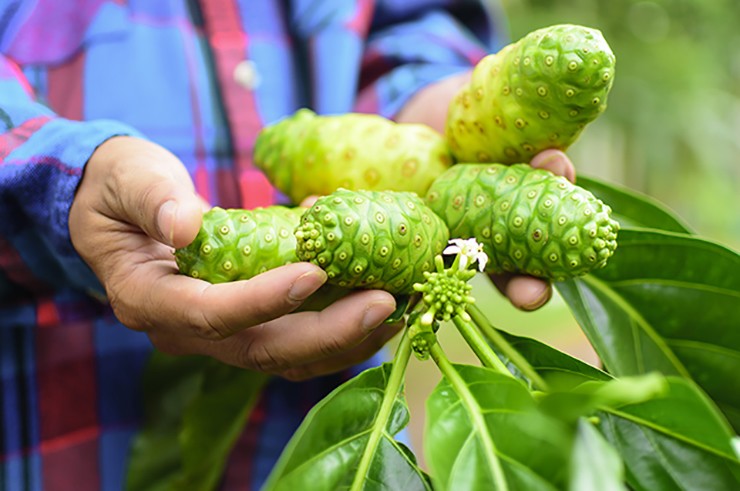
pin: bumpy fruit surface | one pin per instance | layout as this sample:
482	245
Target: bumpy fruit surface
372	239
239	244
306	154
528	220
534	94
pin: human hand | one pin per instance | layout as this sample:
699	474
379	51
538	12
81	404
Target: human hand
135	203
429	106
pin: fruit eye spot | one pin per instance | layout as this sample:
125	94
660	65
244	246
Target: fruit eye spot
330	236
396	263
570	93
457	202
384	251
342	256
572	66
506	90
518	221
283	233
562	220
268	237
573	263
359	200
483	157
227	265
519	91
518	254
480	200
544	114
247	250
194	274
548	203
498	238
537	234
379	217
418	241
542	91
532	194
549	60
348	221
595	101
365	239
402	229
244	218
573	113
573	240
358	269
224	230
553	257
505	205
206	249
486	232
337	200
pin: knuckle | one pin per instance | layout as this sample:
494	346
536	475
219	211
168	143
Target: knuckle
260	357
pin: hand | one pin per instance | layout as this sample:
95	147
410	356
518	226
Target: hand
136	203
429	106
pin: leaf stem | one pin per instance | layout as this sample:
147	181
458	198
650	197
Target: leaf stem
479	346
395	381
506	348
476	414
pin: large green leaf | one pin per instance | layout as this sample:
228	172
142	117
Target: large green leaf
666	302
196	407
634	209
677	441
678	436
484	431
325	451
594	463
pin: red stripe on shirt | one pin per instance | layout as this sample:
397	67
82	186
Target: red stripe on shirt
229	43
15	137
66	87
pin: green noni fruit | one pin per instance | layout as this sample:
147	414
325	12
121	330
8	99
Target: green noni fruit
238	244
372	239
306	154
534	94
528	220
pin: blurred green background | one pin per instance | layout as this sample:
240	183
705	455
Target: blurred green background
671	130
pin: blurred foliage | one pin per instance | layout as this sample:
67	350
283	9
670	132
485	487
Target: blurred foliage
672	128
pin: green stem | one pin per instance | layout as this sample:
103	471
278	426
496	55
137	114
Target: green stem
475	413
506	348
395	380
479	346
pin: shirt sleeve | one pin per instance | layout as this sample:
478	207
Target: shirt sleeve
42	157
413	43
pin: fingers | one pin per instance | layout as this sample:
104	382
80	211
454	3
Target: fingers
524	292
360	353
556	162
184	306
303	338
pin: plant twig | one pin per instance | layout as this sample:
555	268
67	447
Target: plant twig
395	381
479	346
506	348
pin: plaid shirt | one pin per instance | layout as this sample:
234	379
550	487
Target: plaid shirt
200	78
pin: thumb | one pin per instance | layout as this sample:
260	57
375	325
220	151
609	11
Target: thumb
178	218
147	186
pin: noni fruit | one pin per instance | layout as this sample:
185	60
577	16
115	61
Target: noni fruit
307	154
534	94
372	239
238	244
528	220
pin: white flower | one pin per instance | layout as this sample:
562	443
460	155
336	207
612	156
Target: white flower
470	251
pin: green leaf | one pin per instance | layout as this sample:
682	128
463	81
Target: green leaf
677	441
483	421
634	209
196	407
325	451
594	463
214	420
666	302
169	385
560	370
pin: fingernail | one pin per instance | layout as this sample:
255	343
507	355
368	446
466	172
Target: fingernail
376	313
166	220
306	284
541	300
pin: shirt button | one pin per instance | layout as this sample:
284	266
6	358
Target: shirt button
246	75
